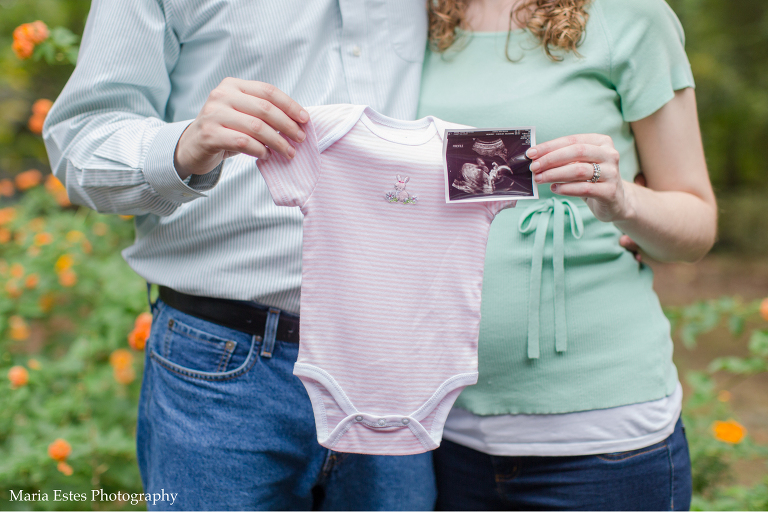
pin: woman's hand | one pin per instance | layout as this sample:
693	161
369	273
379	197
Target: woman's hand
567	163
674	218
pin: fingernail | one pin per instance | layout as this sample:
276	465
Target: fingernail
531	153
291	152
303	116
535	166
301	135
553	188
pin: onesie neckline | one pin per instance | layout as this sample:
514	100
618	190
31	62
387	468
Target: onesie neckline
399	131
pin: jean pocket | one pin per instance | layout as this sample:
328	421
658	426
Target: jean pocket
621	456
200	354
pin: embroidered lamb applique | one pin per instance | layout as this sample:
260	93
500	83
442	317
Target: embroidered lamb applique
399	194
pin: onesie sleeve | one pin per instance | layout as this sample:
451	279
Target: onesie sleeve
648	61
291	181
496	206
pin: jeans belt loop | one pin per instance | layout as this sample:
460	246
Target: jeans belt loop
270	330
152	305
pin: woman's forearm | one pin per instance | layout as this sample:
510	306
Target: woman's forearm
675	217
669	225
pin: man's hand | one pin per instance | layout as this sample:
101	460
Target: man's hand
239	116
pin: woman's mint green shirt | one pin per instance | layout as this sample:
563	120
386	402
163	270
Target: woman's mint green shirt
570	321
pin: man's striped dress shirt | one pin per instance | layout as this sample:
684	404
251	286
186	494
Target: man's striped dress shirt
146	68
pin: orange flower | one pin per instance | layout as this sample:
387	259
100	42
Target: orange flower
26	36
19	376
40	32
23	48
121	359
65	468
64	262
5	235
59	450
100	229
35	124
19	328
46	302
17	270
53	185
7	215
34	364
13	290
36	32
6	188
124	375
138	337
41	107
74	236
724	396
37	224
57	190
86	246
68	278
43	239
764	309
62	200
31	281
28	179
730	431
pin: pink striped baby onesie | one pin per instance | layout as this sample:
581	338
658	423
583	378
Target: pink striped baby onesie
390	295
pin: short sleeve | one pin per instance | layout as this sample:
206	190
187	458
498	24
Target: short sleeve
291	181
496	206
648	60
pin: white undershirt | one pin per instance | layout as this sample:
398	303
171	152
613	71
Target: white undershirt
617	429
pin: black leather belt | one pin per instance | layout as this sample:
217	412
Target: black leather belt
238	315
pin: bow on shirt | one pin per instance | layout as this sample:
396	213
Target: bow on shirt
545	209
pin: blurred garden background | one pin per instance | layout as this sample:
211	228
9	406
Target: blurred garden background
73	316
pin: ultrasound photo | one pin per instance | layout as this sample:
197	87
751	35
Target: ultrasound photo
488	165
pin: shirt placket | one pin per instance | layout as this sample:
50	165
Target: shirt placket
356	52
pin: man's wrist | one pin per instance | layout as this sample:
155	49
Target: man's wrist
159	166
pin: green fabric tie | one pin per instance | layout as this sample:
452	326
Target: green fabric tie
546	208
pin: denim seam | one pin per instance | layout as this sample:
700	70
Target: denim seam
602	456
167	342
245	368
672	477
194	375
225	357
184	332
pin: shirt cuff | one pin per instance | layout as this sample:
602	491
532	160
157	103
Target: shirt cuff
161	174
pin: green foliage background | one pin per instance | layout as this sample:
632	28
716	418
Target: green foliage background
74	394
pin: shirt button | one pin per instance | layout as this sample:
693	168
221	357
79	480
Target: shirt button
356	51
358	418
382	422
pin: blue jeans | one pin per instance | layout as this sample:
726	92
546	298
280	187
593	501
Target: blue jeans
224	427
657	477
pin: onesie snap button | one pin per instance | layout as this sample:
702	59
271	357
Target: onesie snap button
382	422
406	421
358	418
